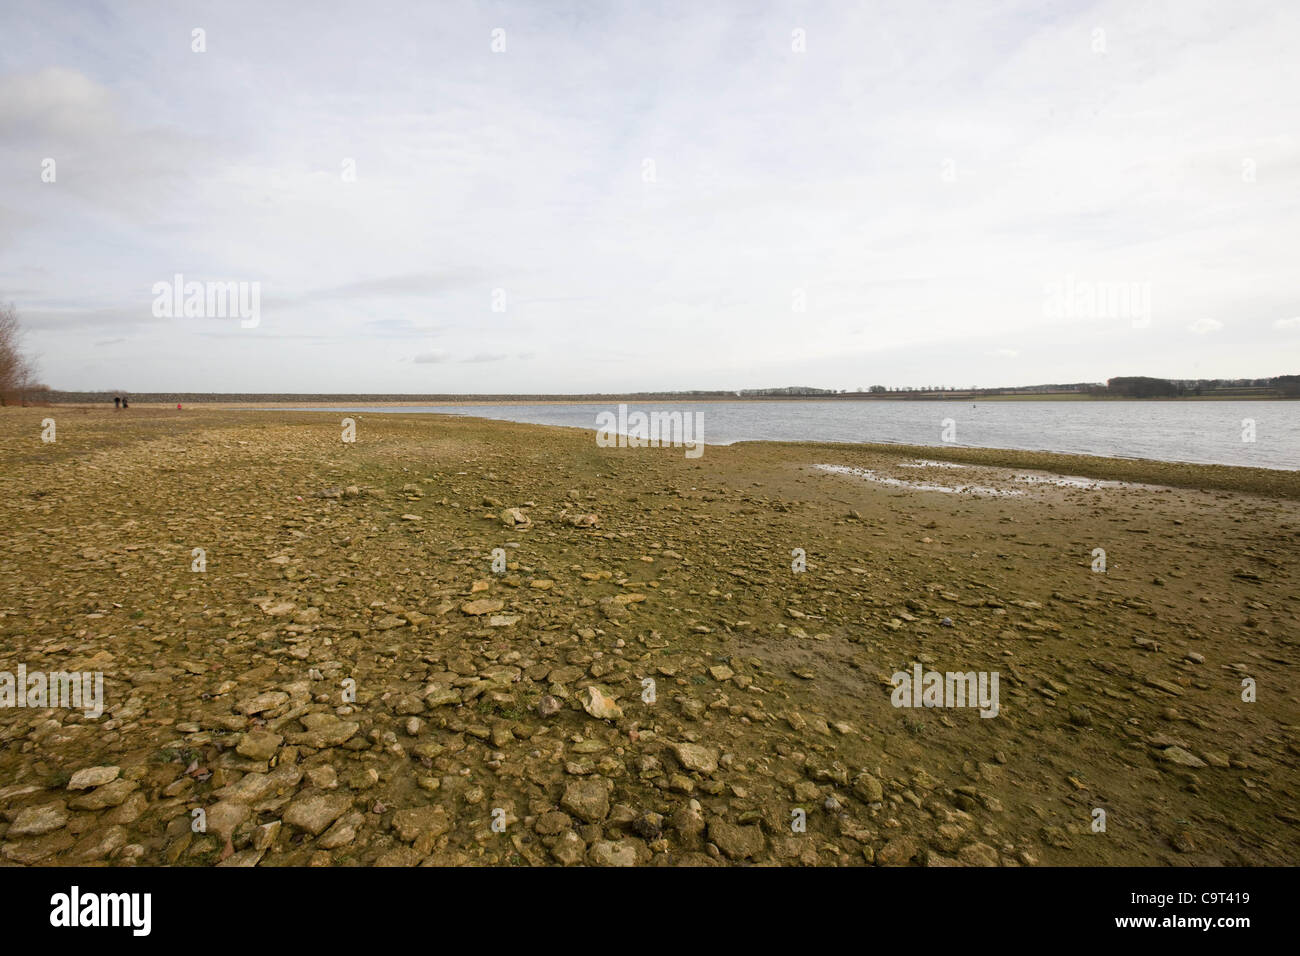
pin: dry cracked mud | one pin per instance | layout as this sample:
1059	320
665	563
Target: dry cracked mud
349	682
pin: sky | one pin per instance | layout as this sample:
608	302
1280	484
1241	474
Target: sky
459	197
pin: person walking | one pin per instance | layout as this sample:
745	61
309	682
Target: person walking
117	401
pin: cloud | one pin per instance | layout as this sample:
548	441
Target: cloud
1287	323
776	171
412	285
73	318
1205	326
400	328
54	103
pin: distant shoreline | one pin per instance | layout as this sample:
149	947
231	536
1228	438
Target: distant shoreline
226	400
1239	479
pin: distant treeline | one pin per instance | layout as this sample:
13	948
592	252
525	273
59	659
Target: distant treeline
1137	386
171	398
1140	386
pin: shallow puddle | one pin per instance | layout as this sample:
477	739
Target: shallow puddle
875	476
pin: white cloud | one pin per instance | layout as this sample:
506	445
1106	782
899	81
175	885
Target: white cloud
775	171
1205	326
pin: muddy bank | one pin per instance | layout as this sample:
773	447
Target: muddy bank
1254	481
457	641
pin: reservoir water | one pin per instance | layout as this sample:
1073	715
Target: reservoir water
1251	433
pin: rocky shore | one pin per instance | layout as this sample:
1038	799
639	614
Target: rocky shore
455	641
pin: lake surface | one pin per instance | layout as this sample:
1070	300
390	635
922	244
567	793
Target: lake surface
1194	431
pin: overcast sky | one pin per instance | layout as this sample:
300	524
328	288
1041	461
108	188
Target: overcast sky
652	195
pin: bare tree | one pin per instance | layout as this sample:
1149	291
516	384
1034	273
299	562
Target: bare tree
16	371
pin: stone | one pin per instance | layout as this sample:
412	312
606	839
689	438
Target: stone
129	810
439	695
324	730
323	777
613	853
649	825
254	787
737	842
897	852
513	517
569	848
263	702
36	821
265	835
553	823
697	757
417	821
93	777
38	848
949	836
598	705
978	854
343	832
688	822
408	704
867	788
587	799
259	745
99	844
805	791
247	858
109	795
1182	757
315	813
223	817
482	606
400	856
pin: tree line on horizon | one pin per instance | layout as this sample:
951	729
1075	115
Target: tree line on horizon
1141	386
1134	387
